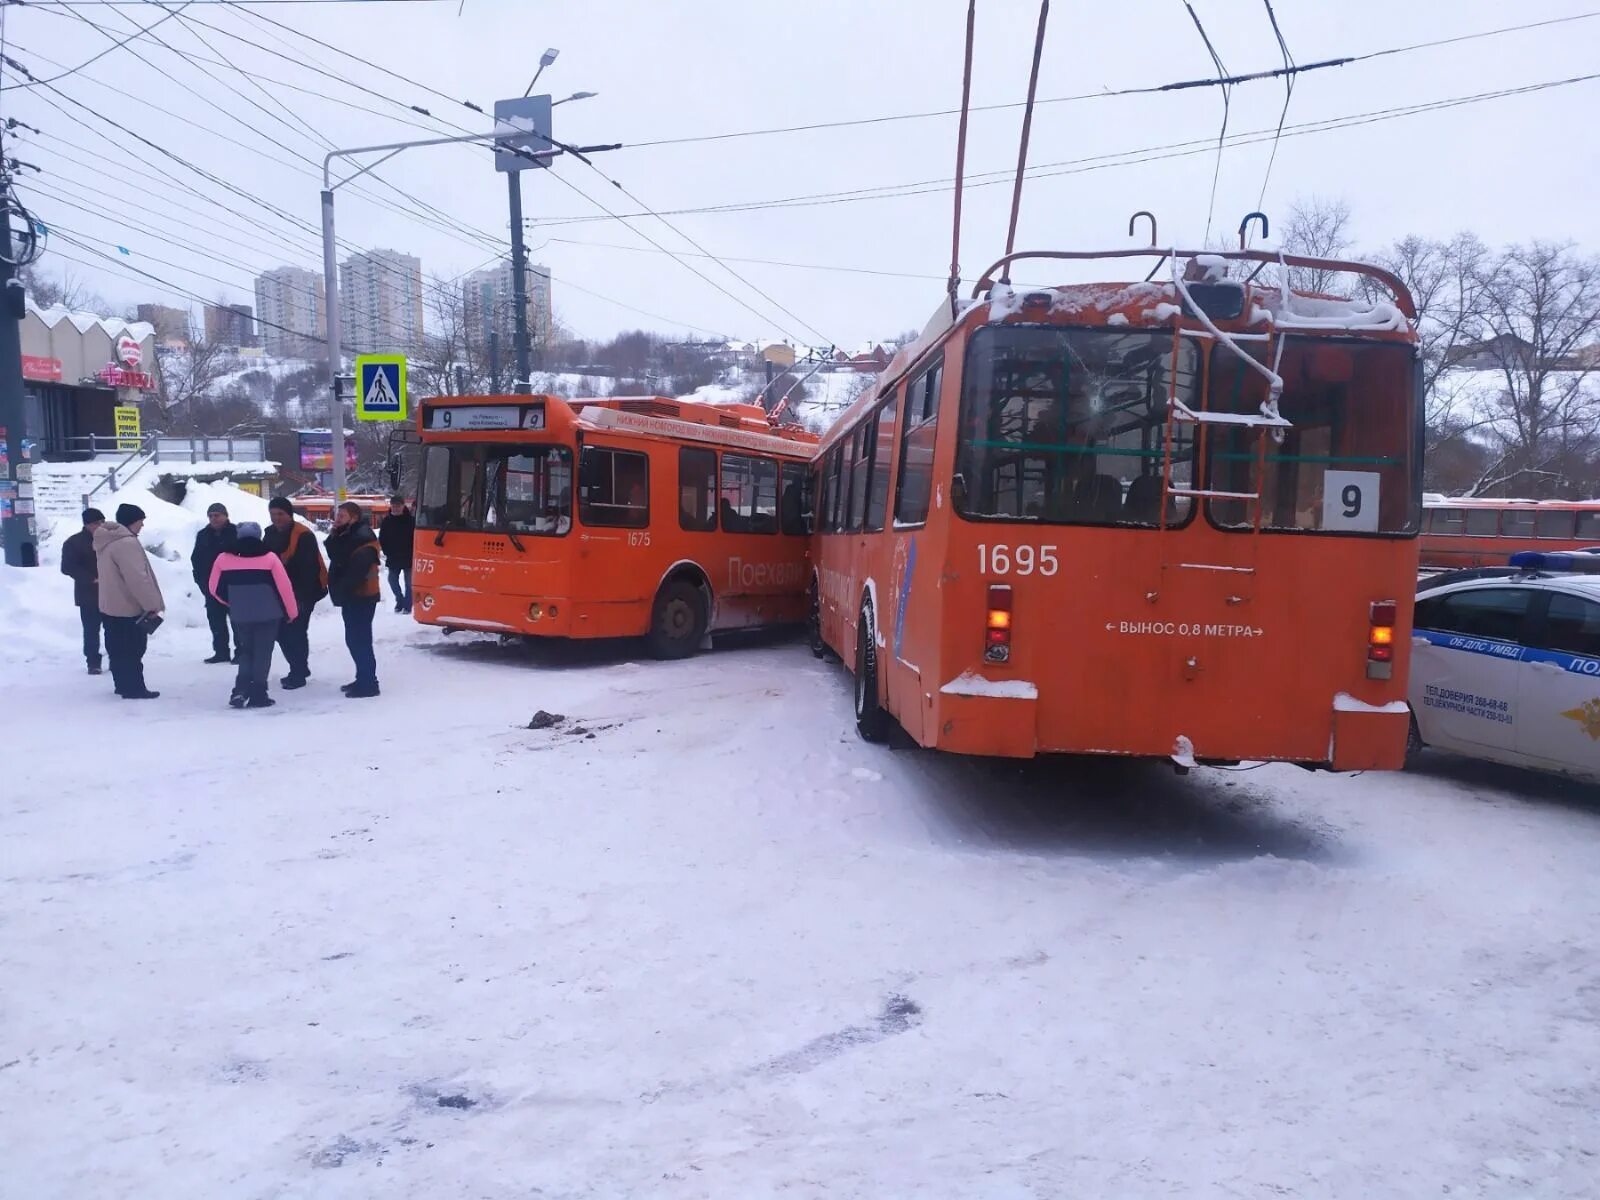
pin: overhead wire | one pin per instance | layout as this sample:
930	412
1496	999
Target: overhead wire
1145	90
1283	113
138	32
1222	134
1097	162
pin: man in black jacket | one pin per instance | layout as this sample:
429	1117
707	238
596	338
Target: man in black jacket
218	537
80	565
353	587
308	576
396	536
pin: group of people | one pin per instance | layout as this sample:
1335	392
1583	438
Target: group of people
262	585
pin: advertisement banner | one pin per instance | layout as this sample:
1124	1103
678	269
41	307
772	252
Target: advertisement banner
129	431
316	452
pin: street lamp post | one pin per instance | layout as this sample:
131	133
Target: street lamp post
330	265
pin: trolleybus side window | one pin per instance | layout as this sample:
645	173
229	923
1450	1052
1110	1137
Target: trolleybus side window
749	502
1070	426
614	488
1349	460
828	519
697	488
1589	525
1449	521
527	489
795	502
863	445
1483	522
882	457
1554	523
919	423
1517	522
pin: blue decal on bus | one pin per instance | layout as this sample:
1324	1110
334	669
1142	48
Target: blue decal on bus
905	594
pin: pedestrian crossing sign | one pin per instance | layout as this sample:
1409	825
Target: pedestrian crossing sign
381	387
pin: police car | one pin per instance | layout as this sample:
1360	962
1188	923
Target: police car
1505	664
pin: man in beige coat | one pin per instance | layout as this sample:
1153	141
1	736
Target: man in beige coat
129	597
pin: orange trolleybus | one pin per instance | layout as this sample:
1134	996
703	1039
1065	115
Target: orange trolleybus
1481	532
609	518
1159	519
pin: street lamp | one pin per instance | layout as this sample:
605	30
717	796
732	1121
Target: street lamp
575	96
545	59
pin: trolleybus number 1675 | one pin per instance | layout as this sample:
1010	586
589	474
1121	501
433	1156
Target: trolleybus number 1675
1019	560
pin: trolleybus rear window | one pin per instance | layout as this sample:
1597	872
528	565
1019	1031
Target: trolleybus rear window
495	488
1070	426
1349	462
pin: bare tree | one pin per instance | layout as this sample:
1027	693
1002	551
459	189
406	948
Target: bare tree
69	289
186	377
1542	307
1318	228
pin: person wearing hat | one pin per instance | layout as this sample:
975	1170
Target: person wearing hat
129	597
216	537
296	548
250	582
78	564
354	590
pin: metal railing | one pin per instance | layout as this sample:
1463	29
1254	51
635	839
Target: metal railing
158	448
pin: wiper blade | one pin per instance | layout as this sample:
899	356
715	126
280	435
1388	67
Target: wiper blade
521	549
439	537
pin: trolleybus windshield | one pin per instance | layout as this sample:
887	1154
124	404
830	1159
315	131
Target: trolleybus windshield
1070	425
497	488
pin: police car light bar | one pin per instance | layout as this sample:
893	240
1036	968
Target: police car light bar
1539	560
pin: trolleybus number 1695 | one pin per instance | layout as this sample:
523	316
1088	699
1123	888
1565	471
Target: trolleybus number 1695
1019	560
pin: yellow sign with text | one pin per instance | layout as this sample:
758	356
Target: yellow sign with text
129	429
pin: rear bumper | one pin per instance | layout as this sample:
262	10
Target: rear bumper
1366	740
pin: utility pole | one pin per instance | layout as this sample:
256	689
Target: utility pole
16	529
519	288
330	282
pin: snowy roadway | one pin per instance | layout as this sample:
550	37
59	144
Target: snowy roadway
721	948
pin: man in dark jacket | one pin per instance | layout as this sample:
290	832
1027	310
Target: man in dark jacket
78	563
297	547
395	537
218	537
353	588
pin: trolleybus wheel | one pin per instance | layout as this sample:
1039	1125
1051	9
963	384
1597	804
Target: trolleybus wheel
678	621
872	721
819	648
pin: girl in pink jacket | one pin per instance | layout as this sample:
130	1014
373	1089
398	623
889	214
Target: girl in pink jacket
251	581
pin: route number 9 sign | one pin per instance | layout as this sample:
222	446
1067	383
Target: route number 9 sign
1350	501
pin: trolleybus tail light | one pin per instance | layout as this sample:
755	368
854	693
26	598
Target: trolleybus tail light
997	625
1380	639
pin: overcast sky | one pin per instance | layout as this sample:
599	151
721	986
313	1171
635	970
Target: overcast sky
1510	168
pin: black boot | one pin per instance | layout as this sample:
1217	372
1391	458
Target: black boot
94	666
237	700
260	700
218	656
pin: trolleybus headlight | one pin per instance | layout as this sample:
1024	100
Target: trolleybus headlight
997	625
1380	639
535	612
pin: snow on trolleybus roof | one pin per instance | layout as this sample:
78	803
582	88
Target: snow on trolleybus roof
638	516
1168	517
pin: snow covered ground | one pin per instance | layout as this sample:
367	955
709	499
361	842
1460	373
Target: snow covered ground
700	941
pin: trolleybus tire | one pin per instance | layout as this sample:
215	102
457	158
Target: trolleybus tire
819	648
677	620
872	720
